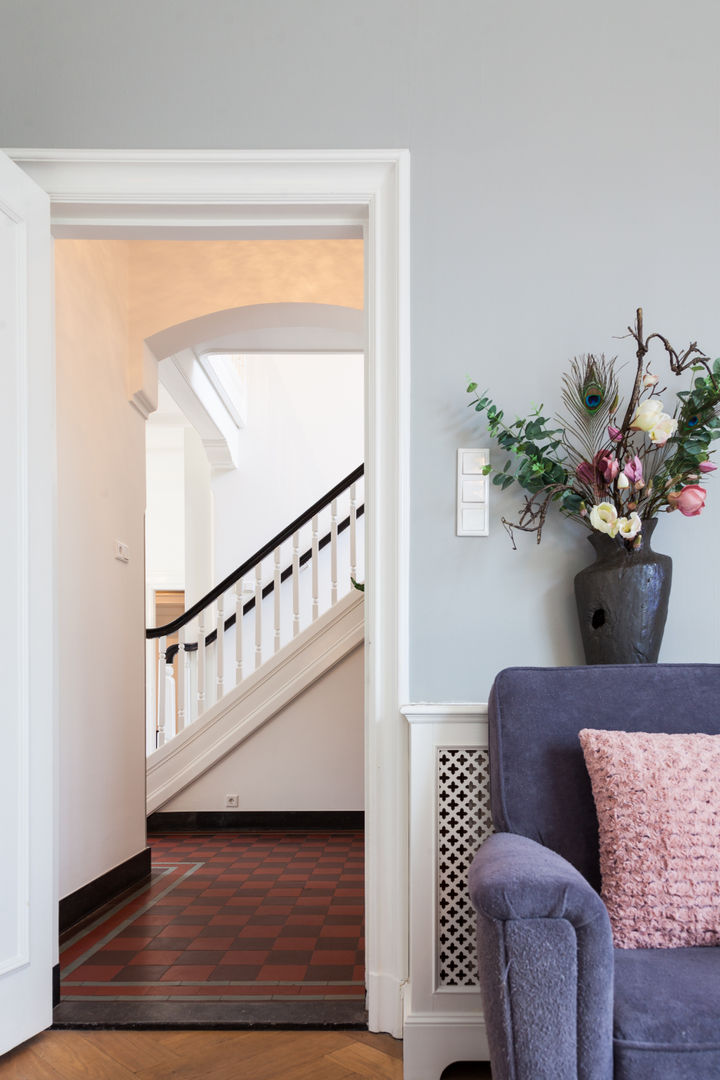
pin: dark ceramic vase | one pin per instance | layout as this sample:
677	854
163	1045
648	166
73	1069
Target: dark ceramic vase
622	600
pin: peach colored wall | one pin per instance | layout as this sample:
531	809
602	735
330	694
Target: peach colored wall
172	281
101	498
110	295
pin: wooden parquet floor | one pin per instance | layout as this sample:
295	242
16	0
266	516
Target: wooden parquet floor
205	1055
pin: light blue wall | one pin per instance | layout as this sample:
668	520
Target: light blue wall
565	169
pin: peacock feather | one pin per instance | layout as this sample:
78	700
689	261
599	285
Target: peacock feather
591	398
593	395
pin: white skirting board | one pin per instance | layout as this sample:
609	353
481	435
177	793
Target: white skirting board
449	819
433	1041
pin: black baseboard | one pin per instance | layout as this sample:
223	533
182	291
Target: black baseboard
56	985
255	819
77	905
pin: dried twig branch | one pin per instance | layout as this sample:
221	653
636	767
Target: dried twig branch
534	512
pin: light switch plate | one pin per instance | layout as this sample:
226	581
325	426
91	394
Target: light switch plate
472	492
121	552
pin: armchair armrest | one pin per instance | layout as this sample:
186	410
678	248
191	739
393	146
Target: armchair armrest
545	957
513	877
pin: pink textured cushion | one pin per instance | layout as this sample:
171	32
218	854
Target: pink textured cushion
658	806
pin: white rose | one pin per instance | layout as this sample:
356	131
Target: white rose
662	429
628	528
604	518
647	415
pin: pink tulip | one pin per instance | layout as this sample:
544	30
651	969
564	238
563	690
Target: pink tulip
707	466
607	465
585	472
615	433
689	501
633	470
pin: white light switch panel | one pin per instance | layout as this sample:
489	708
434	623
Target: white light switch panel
122	552
472	493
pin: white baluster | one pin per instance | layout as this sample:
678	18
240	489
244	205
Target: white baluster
353	532
238	631
169	702
276	594
333	552
296	582
201	665
181	655
162	649
220	646
191	681
315	553
258	615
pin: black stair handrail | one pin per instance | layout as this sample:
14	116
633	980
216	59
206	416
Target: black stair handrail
191	646
251	563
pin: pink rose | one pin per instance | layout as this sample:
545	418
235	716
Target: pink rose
707	466
689	501
633	470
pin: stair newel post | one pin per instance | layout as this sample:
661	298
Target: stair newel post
220	646
162	649
315	554
353	531
181	675
276	598
333	552
238	631
296	582
201	665
258	615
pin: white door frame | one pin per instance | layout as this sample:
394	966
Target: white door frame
106	192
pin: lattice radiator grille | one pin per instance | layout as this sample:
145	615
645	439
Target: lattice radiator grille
463	803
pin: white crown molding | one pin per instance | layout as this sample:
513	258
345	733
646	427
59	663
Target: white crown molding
29	155
144	404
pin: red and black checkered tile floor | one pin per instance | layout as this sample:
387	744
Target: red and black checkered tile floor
250	915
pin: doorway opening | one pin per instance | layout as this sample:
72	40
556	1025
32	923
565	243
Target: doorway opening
108	193
242	444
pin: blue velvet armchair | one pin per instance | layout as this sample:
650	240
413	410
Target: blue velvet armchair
560	1002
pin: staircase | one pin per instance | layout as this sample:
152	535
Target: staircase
258	639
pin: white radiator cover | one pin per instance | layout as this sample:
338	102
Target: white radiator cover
449	819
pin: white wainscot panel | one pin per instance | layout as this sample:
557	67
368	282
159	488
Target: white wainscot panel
449	820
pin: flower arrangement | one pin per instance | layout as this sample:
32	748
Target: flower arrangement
610	465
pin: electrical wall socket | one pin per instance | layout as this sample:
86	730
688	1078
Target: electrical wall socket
231	802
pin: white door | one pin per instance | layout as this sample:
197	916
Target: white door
28	900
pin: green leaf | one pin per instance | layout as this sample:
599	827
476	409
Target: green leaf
507	482
571	502
486	469
472	386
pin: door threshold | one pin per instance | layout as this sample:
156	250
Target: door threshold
211	1015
